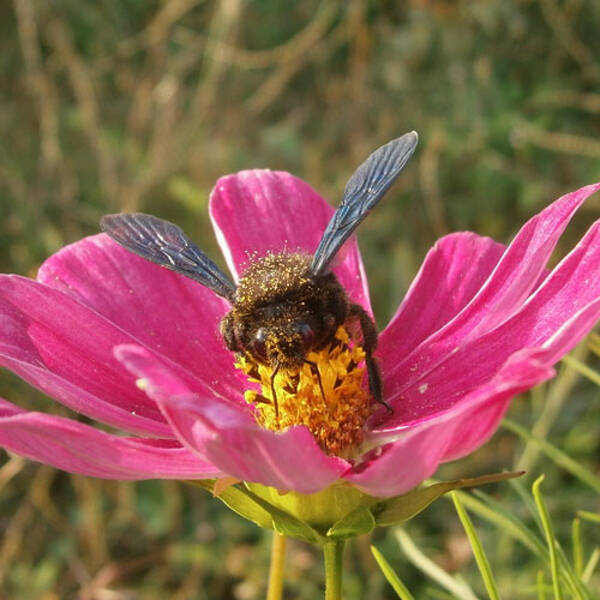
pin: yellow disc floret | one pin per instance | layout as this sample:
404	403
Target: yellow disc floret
335	417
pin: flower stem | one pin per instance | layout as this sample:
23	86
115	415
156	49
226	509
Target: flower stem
333	553
275	591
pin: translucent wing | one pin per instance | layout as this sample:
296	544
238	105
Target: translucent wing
166	245
363	191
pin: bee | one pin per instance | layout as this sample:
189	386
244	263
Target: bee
285	304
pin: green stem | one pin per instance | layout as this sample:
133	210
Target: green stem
275	591
333	552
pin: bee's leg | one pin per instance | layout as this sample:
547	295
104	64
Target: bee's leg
315	368
260	399
273	392
375	384
228	331
369	344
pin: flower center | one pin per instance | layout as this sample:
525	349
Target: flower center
336	415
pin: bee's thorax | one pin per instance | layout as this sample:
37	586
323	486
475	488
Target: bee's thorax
273	279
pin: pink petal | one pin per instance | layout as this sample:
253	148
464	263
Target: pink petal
453	386
169	313
79	448
8	410
453	272
66	349
513	279
569	295
257	211
413	454
229	438
418	447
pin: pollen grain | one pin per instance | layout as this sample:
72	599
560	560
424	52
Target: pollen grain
335	420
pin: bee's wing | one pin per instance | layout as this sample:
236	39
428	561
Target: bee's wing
364	189
166	245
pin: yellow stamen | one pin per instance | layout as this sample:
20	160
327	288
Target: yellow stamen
337	420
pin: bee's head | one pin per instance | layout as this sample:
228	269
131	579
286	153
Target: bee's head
285	343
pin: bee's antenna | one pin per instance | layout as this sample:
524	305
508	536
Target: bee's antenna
273	392
315	369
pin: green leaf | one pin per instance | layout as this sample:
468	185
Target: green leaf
495	513
577	547
582	368
359	521
247	504
391	577
591	565
547	524
558	456
459	589
403	508
566	571
589	516
541	588
239	502
287	524
478	551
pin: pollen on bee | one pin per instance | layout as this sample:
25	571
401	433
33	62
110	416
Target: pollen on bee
336	419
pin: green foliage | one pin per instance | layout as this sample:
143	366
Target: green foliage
391	577
567	580
478	551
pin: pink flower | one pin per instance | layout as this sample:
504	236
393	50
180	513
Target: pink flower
480	324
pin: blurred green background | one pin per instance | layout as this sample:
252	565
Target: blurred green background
141	105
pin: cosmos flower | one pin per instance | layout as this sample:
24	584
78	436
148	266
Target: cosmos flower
137	347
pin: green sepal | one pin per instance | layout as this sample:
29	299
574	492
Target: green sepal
247	504
286	524
240	502
357	522
402	508
362	513
320	510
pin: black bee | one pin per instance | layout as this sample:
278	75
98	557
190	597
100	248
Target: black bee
285	304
